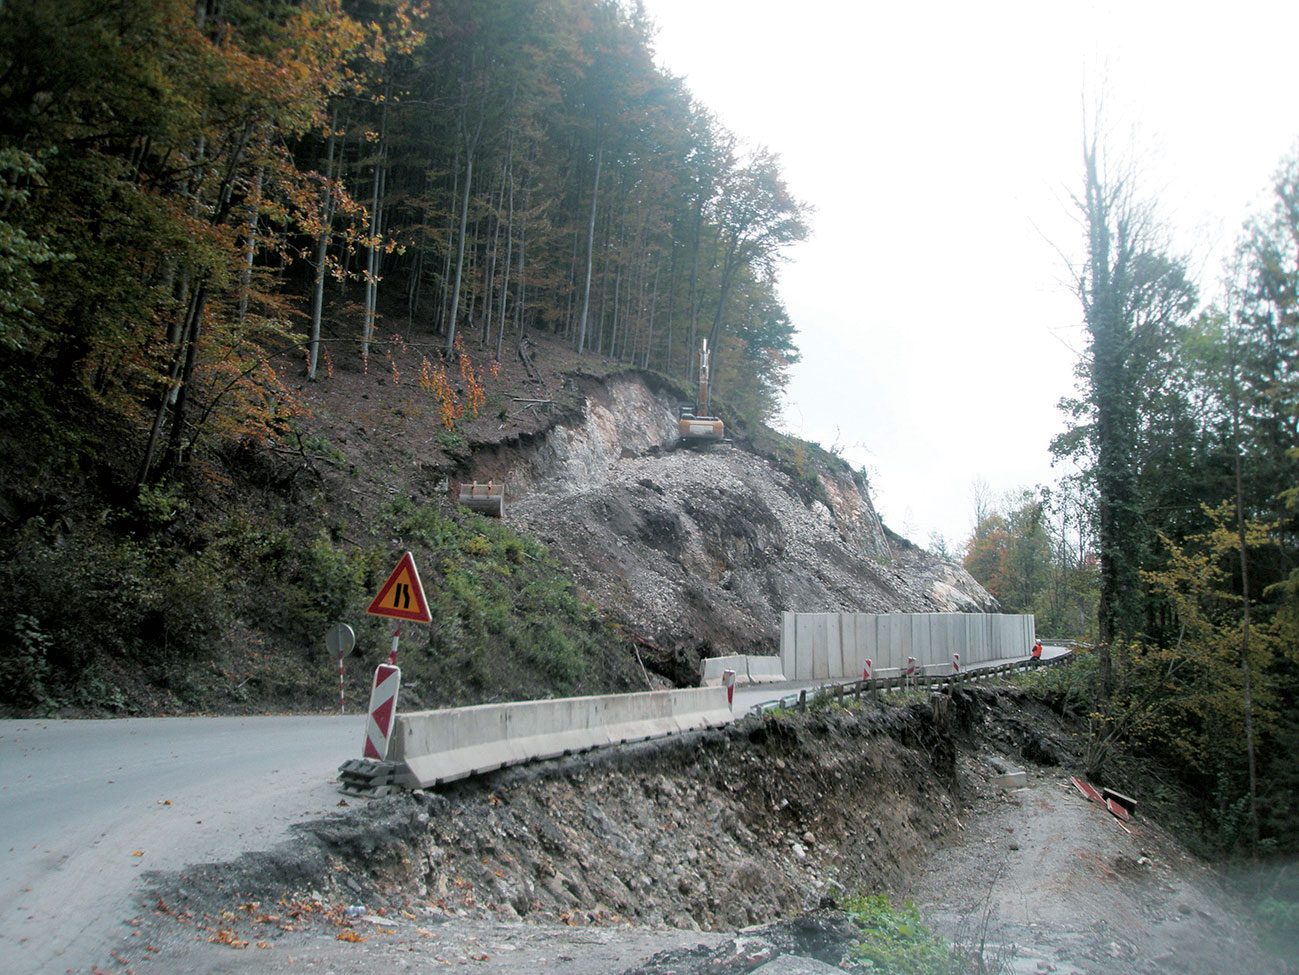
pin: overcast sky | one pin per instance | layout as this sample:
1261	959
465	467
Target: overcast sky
939	144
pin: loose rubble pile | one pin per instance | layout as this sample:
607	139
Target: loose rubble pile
702	548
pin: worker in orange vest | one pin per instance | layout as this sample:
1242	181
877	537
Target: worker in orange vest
1037	652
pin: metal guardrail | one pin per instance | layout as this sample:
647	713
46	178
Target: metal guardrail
902	681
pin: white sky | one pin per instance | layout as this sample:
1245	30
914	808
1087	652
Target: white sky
940	143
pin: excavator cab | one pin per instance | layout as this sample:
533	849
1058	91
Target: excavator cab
695	424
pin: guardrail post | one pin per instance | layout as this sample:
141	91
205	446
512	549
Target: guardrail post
802	699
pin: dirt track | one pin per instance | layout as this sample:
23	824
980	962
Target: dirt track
1054	883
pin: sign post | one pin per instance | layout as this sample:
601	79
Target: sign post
339	640
400	598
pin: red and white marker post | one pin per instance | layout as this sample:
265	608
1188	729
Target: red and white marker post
383	708
728	681
911	671
339	640
956	663
866	671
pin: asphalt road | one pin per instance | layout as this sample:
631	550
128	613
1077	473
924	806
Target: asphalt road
87	807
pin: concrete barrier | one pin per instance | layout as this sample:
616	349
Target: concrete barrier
711	669
748	669
765	670
445	745
828	646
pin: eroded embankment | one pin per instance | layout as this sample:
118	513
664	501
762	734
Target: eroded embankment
601	861
716	830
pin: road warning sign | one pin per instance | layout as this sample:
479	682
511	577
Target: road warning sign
402	596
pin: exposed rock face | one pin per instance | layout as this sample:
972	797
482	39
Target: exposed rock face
702	549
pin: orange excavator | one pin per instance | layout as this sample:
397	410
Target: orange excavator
695	424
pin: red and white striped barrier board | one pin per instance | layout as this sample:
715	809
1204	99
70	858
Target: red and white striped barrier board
866	671
383	708
956	663
1087	789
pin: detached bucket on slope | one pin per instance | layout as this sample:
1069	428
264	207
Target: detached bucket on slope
487	499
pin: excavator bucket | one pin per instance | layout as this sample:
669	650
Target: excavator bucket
487	499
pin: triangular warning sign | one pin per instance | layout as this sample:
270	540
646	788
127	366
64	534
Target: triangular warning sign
402	596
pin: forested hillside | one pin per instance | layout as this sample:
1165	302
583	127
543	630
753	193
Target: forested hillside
190	190
208	210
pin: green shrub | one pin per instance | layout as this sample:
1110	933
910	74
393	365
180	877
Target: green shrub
895	941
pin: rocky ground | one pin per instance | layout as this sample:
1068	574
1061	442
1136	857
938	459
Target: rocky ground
723	851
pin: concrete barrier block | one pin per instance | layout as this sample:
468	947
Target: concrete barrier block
449	744
764	670
712	668
805	628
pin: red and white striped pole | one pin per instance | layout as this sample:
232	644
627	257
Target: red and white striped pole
911	670
339	640
728	681
866	671
396	635
956	663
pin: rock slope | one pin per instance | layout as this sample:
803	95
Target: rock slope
702	548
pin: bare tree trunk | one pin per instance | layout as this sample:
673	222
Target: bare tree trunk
590	247
250	249
569	324
1247	682
509	250
489	290
322	251
372	259
617	289
415	285
654	299
604	284
193	331
673	282
474	276
471	144
451	232
523	243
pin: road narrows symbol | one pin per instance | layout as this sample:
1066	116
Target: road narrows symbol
402	596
